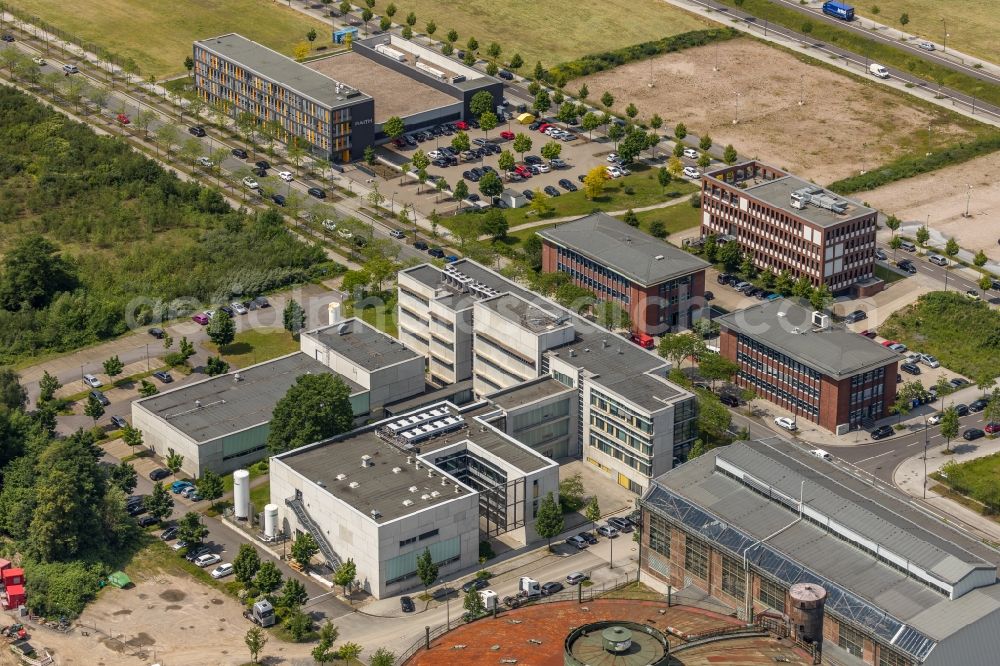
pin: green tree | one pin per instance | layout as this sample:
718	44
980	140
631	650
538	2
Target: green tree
802	288
293	594
663	178
303	549
704	161
551	150
459	142
904	18
216	366
713	417
951	248
268	577
490	185
680	131
632	145
131	436
992	412
316	407
174	460
895	243
147	388
985	283
516	62
33	272
345	575
593	511
716	367
472	44
820	298
394	127
246	563
390	10
384	23
549	521
949	426
124	476
293	317
382	657
607	99
255	640
159	504
328	634
657	229
297	624
495	224
506	161
923	235
630	218
427	570
611	316
615	133
366	15
461	190
47	387
542	102
189	64
729	155
473	603
710	249
430	28
631	111
892	223
731	256
93	408
589	123
980	259
222	329
452	36
210	486
348	652
488	121
705	143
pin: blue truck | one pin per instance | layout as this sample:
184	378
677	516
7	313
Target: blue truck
839	10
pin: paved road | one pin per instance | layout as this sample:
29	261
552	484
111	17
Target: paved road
861	60
950	279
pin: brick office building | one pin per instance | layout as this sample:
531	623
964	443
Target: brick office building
661	287
797	359
787	224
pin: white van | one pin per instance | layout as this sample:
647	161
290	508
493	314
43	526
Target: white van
70	69
878	70
820	453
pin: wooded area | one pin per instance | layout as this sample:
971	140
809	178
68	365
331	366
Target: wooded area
88	227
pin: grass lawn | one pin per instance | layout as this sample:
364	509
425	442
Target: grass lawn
157	556
158	35
256	346
884	53
382	316
977	479
963	334
972	24
551	32
887	274
675	218
646	191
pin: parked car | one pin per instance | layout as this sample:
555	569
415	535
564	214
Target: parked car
973	433
691	153
551	191
785	422
163	376
992	428
177	486
73	69
436	252
869	333
200	318
907	266
159	474
196	130
558	163
972	294
100	397
961	409
7	37
577	542
239	152
420	245
507	136
881	432
691	172
123	119
92	381
238	308
567	184
588	537
978	405
119	421
935	419
476	584
609	531
857	315
205	162
505	75
925	45
169	534
622	524
576	578
194	553
880	254
279	199
396	233
898	347
910	368
958	382
406	604
148	521
929	361
729	400
317	192
262	164
38	60
222	570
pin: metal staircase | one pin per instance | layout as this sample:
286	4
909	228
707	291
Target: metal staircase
306	521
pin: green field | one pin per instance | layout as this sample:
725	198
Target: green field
158	35
963	334
972	24
675	218
978	479
256	346
553	31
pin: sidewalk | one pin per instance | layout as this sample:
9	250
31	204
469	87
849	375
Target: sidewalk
909	477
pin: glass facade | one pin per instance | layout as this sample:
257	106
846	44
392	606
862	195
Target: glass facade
696	557
404	566
734	579
772	595
608	284
851	639
659	534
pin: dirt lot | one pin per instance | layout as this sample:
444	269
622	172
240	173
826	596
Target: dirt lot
942	196
166	619
844	125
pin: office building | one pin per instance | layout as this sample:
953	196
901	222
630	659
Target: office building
221	423
324	102
784	223
623	416
804	363
661	287
749	522
437	478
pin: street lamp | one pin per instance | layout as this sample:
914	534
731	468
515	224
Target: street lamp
925	456
736	120
945	44
968	196
392	204
802	89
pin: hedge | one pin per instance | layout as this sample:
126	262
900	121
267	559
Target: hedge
598	62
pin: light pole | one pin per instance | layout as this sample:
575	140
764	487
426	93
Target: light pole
925	456
392	204
968	197
611	557
736	120
802	89
945	43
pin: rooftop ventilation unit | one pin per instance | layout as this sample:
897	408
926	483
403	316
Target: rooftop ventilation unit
397	470
407	502
457	489
658	257
341	477
425	497
436	73
444	482
366	461
413	489
572	353
353	484
375	513
820	320
435	494
197	404
430	474
433	429
343	329
390	52
818	197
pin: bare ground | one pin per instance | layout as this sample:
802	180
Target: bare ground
166	619
942	195
844	125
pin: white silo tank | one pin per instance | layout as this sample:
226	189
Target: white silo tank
241	494
271	520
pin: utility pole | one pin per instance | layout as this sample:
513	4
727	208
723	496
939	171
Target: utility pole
925	456
945	43
968	197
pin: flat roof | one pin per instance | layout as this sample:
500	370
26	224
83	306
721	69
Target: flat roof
784	325
282	70
525	314
363	345
648	391
386	484
528	392
607	357
737	514
777	193
636	255
220	405
395	94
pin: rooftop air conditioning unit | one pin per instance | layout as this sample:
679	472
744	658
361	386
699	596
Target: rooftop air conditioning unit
407	502
375	513
366	461
413	489
397	470
425	496
353	484
341	477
